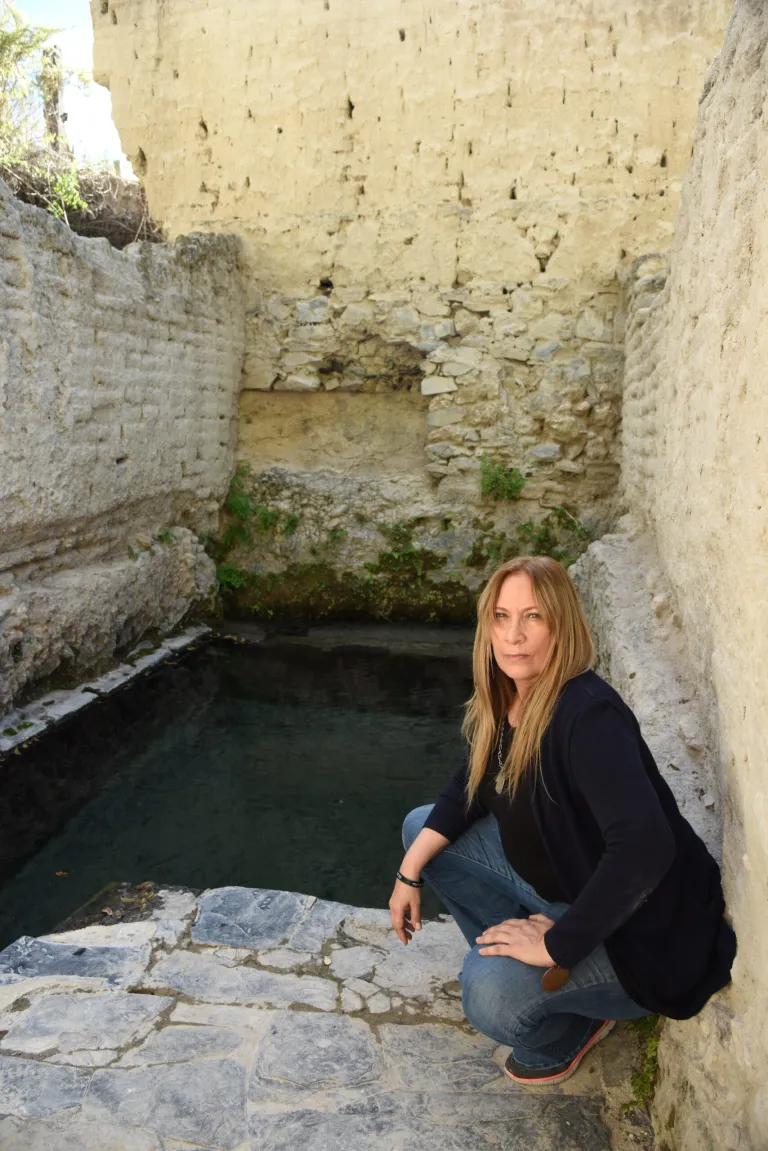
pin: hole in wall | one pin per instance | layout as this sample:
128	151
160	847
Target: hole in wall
513	192
113	14
203	127
104	7
140	162
279	131
350	108
401	34
663	160
175	73
326	285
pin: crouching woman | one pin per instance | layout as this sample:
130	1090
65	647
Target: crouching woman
559	849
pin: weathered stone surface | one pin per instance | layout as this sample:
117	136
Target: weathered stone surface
318	923
433	1057
253	1020
123	368
179	1044
202	977
247	917
352	962
314	1053
284	958
67	1023
34	1090
118	966
434	956
73	1135
202	1102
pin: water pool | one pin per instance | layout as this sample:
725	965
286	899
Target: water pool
288	764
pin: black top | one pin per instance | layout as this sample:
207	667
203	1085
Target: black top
518	830
636	874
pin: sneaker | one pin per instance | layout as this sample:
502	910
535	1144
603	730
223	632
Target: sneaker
533	1076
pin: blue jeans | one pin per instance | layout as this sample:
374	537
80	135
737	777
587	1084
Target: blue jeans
503	997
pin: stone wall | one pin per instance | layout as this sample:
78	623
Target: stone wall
434	199
119	378
695	474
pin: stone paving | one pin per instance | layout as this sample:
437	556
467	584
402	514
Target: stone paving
255	1020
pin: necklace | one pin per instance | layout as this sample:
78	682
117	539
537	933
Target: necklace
499	777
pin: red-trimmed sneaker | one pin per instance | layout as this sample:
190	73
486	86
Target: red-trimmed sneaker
534	1076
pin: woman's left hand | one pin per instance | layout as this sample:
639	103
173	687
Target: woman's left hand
521	939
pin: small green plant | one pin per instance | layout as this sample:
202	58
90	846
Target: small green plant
403	561
644	1080
9	731
132	553
230	576
559	535
336	536
166	536
291	523
498	482
265	518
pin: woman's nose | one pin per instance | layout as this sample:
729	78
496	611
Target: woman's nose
515	631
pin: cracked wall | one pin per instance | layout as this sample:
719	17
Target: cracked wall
433	199
119	378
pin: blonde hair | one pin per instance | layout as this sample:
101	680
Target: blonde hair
571	652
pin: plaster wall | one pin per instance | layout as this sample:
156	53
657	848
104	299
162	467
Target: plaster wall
695	471
432	197
119	378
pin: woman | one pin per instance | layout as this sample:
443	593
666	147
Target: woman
583	893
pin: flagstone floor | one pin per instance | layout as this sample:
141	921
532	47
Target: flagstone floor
254	1020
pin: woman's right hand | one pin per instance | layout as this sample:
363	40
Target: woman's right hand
405	909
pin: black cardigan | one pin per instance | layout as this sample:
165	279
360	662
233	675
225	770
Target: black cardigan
637	876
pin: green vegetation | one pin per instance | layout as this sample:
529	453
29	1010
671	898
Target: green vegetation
498	482
230	576
31	77
166	536
291	523
644	1080
559	535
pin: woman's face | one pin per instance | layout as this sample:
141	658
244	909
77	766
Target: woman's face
520	636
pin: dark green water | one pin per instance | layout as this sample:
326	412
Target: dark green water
273	765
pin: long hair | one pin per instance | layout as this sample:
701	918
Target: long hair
571	652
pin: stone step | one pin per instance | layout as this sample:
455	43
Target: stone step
253	1020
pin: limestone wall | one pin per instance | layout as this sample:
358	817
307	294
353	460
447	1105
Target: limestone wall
695	469
433	198
119	378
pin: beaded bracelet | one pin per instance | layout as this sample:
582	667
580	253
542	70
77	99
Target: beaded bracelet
410	882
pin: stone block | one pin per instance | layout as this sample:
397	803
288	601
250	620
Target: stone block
247	917
352	962
71	1022
118	966
68	1134
315	311
315	1052
36	1090
203	1103
444	417
298	383
202	977
181	1043
437	385
320	921
545	452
